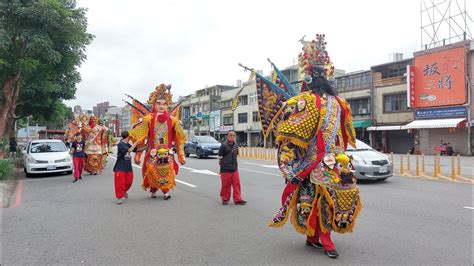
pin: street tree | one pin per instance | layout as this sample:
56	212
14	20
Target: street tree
42	44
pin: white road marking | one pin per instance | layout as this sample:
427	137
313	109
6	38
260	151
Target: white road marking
471	208
250	170
177	180
263	165
205	171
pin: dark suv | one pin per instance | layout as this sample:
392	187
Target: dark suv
202	146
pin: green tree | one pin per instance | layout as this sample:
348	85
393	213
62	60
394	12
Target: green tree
42	43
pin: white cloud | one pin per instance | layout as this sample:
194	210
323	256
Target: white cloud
191	44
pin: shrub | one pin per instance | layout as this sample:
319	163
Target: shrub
6	169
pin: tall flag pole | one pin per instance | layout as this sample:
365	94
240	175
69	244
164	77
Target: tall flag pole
281	81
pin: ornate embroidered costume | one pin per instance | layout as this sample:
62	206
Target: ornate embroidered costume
157	131
313	129
96	145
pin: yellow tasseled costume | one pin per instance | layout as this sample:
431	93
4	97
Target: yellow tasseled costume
337	205
159	165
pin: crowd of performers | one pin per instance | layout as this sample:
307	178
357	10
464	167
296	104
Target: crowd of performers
312	129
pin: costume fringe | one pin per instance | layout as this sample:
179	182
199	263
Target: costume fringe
288	211
294	222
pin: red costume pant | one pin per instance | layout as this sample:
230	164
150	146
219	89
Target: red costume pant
78	166
123	181
231	180
319	235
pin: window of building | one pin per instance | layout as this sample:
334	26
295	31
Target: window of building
205	107
226	104
253	97
228	120
243	100
242	118
395	102
255	117
397	71
359	106
195	109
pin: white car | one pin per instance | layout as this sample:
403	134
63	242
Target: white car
47	156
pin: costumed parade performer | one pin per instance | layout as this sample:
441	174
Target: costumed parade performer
156	131
313	129
96	145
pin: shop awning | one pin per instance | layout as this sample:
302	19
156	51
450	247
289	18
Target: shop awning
384	128
434	123
361	123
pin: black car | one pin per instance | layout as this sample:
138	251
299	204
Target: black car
202	146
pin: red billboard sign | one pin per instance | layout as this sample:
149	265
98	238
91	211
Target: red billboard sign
439	78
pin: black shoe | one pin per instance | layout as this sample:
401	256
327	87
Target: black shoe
332	253
80	177
75	180
167	197
316	245
224	202
242	202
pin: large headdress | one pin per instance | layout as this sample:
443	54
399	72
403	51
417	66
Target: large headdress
314	54
161	92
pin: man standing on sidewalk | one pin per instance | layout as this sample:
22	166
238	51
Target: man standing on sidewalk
229	171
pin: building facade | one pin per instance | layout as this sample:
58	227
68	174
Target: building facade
198	108
100	109
390	110
125	118
355	88
441	97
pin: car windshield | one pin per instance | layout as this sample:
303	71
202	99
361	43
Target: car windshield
206	139
41	147
360	146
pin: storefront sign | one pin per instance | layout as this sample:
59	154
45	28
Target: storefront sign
214	120
199	116
225	128
440	78
411	86
449	112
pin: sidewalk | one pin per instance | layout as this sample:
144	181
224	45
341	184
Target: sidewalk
466	164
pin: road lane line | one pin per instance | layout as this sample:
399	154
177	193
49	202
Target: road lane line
264	165
471	208
177	180
250	170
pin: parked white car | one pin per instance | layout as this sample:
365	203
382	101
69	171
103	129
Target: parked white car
47	156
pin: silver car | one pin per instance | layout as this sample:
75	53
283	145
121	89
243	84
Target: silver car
369	163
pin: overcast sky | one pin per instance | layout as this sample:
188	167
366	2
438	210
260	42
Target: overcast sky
192	44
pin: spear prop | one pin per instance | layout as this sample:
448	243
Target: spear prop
134	107
140	103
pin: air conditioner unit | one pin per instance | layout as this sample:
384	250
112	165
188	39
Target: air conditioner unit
362	111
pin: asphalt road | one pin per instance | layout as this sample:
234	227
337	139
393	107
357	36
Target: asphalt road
404	221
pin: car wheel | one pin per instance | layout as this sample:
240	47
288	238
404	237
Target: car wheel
69	172
198	153
186	153
24	169
28	174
